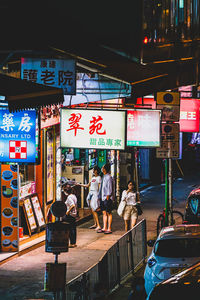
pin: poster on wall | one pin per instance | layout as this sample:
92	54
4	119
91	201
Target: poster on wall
93	129
37	210
18	136
9	208
143	128
49	170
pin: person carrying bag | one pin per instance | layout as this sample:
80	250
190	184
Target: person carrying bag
128	206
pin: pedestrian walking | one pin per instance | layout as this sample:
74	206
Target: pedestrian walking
92	197
106	196
130	213
71	214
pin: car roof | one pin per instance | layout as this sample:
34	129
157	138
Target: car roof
195	192
179	231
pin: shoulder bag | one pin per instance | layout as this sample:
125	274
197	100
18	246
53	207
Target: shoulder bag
121	208
139	209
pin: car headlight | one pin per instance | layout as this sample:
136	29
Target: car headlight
151	262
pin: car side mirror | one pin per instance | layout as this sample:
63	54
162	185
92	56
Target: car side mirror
150	243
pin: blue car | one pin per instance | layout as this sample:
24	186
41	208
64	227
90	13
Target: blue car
192	210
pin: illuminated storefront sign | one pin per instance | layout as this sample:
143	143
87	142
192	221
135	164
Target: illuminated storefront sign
143	128
53	72
18	136
189	115
98	129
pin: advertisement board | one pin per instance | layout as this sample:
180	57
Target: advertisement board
59	73
9	207
98	129
143	128
18	136
29	215
37	210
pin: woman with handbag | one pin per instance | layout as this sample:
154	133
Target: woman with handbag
130	212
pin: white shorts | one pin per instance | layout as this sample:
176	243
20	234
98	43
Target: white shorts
92	200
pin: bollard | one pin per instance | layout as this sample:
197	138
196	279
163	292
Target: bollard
55	277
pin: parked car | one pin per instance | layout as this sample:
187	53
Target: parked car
184	285
192	210
176	248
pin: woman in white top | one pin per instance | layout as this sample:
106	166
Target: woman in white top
92	197
130	214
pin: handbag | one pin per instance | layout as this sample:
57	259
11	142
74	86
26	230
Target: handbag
121	208
139	209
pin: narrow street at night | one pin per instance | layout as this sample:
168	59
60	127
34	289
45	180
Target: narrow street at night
23	277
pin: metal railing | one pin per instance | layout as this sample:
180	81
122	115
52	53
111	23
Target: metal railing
121	259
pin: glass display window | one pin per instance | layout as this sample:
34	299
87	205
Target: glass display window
26	174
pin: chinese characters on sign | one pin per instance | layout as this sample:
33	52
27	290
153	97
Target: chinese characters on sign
92	129
58	73
18	136
143	128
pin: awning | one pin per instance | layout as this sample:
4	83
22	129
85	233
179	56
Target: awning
21	94
145	79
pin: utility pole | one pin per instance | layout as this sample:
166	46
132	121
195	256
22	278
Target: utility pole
136	171
170	191
166	191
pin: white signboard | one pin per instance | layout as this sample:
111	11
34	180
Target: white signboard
97	129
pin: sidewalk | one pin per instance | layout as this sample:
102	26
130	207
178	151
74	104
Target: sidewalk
38	239
23	276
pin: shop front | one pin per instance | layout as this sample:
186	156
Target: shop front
78	164
88	139
21	198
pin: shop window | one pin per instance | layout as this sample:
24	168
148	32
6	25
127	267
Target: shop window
27	174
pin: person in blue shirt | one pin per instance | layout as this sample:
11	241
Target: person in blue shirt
106	199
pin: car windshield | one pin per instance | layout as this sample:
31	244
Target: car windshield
180	247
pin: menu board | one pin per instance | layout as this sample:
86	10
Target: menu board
37	210
9	205
29	215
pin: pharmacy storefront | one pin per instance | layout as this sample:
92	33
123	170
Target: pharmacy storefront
21	213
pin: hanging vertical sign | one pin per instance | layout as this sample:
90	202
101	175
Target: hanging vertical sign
18	136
